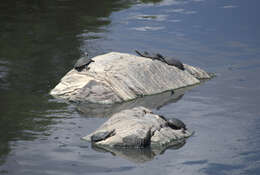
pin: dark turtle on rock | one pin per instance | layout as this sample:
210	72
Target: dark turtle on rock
83	63
168	60
172	61
175	123
102	135
153	56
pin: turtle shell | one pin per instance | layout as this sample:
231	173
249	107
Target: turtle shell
82	63
153	56
101	136
175	123
174	62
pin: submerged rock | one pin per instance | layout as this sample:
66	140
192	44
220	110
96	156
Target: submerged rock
118	77
137	128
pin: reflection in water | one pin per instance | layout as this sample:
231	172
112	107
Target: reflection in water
141	155
151	1
195	162
3	73
150	102
41	40
24	117
219	168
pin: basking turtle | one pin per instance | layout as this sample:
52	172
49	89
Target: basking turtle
175	123
156	56
168	60
102	135
172	61
83	62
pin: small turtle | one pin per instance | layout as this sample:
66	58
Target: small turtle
175	123
156	56
83	62
172	61
168	60
102	135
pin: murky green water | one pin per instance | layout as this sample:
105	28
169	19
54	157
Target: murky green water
40	40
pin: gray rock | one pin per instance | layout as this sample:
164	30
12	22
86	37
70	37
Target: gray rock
137	128
118	77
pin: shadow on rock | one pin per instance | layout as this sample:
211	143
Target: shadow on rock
151	102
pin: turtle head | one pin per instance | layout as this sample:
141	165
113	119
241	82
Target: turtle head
85	54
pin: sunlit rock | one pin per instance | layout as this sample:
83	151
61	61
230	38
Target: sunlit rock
118	77
137	128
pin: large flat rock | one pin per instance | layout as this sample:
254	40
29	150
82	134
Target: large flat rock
137	128
118	77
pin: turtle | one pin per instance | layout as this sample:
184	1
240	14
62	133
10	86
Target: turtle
174	123
102	135
173	62
168	60
155	56
83	62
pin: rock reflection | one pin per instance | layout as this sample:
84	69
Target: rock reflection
151	102
139	155
3	74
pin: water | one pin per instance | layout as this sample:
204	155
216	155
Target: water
41	40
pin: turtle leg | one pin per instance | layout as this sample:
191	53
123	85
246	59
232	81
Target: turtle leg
86	66
79	69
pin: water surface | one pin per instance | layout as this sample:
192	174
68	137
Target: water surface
41	40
